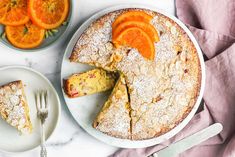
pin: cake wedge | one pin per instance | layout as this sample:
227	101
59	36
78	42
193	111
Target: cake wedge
114	118
13	106
90	82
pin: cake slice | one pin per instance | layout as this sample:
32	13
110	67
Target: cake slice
114	118
90	82
13	106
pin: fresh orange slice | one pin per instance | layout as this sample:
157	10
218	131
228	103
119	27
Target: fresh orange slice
13	12
132	16
148	28
136	38
25	36
48	14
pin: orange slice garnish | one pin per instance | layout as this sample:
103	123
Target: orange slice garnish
25	36
136	38
13	12
132	16
146	27
48	14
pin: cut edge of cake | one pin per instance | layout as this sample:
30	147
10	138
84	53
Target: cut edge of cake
89	82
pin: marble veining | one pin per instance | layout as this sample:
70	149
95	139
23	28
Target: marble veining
65	142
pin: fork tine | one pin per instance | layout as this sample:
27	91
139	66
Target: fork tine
37	101
46	99
42	99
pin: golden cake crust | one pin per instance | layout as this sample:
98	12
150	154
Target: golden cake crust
163	91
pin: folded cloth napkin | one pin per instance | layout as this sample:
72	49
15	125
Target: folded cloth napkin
213	24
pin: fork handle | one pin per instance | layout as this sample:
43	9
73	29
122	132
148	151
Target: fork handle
43	147
43	151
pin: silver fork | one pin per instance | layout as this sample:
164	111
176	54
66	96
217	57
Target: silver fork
41	98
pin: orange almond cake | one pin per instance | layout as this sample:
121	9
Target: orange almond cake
163	82
13	106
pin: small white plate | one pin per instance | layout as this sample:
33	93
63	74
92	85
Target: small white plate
84	109
11	140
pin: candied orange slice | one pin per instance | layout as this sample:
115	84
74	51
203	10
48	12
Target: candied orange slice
132	16
25	36
136	38
13	12
48	14
148	28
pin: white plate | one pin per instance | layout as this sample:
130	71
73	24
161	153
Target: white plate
11	140
85	109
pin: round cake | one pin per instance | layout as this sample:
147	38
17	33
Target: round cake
161	91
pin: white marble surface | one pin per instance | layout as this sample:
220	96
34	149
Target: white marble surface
69	139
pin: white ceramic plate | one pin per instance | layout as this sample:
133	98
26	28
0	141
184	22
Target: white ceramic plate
85	109
11	140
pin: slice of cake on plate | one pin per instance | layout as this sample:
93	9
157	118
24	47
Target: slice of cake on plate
90	82
13	106
114	118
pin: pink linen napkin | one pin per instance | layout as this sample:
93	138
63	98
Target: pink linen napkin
213	24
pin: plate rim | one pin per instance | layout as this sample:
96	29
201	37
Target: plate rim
184	122
38	49
54	91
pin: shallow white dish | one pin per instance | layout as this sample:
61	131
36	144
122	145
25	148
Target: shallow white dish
85	109
11	140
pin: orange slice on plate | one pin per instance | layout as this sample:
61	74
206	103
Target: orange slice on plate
25	36
136	38
148	28
132	16
48	14
13	12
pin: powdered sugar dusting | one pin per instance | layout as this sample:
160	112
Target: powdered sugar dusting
161	91
11	108
114	117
